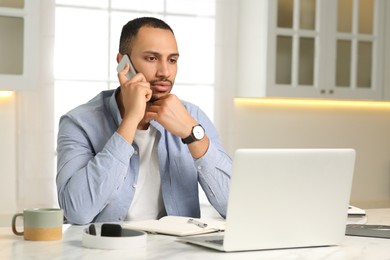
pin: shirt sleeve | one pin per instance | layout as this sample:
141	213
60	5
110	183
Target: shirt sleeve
214	168
214	177
86	181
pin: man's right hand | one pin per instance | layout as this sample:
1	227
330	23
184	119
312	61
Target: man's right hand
133	97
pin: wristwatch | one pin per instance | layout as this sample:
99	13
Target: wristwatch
197	133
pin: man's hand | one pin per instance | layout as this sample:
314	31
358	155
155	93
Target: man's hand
172	115
134	95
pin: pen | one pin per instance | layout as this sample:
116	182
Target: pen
198	223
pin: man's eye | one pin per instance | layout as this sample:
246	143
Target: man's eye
152	58
173	61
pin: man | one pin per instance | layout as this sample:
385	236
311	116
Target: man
138	152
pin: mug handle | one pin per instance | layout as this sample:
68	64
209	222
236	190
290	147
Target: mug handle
14	224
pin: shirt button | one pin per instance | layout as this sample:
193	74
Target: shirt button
134	186
135	152
200	167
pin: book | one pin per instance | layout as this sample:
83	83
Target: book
177	226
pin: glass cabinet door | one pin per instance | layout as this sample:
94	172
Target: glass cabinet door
11	47
12	3
355	44
20	38
296	38
11	42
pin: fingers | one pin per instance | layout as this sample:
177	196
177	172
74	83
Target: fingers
162	109
149	116
148	94
122	74
139	77
171	114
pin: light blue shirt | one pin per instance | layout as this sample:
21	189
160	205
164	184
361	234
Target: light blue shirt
97	168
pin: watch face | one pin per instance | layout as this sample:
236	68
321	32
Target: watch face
198	132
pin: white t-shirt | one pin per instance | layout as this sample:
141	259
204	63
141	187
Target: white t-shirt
147	202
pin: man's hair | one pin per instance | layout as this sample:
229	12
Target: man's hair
130	30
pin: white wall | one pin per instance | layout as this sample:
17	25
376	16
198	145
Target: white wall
27	135
35	140
225	68
7	153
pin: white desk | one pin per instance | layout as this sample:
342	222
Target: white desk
165	247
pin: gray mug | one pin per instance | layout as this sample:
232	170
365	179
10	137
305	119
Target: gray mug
40	224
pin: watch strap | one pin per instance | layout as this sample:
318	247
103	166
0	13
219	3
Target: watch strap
189	139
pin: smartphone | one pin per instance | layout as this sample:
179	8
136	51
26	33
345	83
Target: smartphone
125	59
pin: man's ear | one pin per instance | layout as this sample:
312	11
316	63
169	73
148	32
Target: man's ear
119	57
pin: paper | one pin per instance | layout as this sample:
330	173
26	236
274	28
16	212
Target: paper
356	211
356	215
177	226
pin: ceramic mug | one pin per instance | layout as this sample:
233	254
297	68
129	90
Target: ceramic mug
40	224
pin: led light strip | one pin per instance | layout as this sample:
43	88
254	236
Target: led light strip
6	93
313	103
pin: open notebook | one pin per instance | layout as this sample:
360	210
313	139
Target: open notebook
177	226
285	198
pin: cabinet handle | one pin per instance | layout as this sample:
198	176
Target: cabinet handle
322	91
331	91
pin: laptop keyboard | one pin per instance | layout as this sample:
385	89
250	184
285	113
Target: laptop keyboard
216	241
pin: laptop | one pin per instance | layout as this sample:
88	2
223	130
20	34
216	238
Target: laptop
285	198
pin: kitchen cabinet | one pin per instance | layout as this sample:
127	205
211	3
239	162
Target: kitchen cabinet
19	43
332	49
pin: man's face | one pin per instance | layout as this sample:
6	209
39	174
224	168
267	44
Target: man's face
155	54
